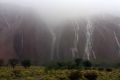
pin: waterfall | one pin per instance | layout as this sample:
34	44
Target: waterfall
76	39
20	44
53	44
89	45
12	28
58	45
117	41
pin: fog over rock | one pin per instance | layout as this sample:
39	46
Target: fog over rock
25	35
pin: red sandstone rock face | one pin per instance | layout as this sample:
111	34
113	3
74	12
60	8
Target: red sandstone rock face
24	36
104	43
6	49
6	33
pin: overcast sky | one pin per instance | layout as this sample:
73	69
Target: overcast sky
61	9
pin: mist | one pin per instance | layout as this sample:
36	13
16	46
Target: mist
55	11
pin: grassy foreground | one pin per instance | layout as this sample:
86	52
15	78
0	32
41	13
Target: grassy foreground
40	73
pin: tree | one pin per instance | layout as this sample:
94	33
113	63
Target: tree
26	63
87	63
78	61
1	62
13	62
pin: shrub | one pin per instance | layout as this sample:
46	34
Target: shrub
109	70
90	75
30	78
74	75
78	61
87	63
1	62
17	72
26	63
13	62
101	69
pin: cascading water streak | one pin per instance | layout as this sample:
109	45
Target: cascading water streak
12	27
58	45
76	39
89	42
117	41
53	44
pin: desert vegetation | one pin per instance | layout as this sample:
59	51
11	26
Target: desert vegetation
75	70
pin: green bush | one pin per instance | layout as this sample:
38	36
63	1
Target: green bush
90	75
75	75
26	63
13	62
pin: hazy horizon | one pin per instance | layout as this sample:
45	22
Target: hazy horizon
58	10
